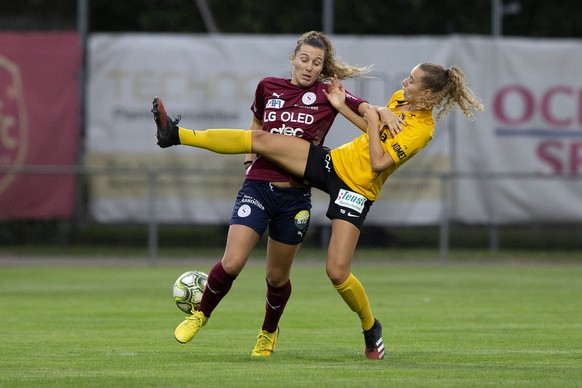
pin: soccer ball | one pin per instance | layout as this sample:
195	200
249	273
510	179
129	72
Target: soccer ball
188	290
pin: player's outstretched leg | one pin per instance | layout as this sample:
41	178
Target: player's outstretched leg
374	344
265	343
167	129
188	329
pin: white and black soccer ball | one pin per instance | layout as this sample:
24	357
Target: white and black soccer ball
188	290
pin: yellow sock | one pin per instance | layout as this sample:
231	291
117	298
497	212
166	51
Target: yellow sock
353	293
222	141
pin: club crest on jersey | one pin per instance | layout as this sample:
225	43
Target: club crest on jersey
351	200
275	103
309	98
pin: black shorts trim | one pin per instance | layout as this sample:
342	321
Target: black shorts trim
344	203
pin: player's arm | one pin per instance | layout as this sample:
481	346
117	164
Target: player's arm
337	98
353	117
380	160
256	125
390	119
393	122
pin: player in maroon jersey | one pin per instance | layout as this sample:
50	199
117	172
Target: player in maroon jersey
351	174
270	197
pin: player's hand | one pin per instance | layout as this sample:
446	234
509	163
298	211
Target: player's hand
373	119
392	121
337	93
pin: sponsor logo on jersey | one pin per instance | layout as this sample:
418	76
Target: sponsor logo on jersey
306	107
399	151
289	131
274	103
351	200
289	117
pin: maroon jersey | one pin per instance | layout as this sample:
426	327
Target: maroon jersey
292	110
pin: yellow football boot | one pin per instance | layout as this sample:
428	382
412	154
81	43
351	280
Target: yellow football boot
188	329
265	343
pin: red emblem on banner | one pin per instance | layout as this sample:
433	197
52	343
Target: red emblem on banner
13	121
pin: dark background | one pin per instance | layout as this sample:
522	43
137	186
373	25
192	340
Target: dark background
535	18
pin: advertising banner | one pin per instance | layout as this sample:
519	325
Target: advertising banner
39	122
530	136
517	162
210	81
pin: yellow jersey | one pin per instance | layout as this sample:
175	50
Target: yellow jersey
352	160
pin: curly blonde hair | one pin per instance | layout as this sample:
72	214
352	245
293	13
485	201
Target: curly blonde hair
449	88
332	64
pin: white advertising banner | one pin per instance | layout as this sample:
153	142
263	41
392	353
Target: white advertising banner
210	81
529	137
525	147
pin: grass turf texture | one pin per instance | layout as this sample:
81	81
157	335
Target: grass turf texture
476	325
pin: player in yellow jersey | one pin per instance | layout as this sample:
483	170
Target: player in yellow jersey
354	173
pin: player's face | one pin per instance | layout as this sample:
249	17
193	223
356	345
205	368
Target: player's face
307	65
412	86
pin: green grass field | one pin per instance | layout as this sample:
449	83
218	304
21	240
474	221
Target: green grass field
459	325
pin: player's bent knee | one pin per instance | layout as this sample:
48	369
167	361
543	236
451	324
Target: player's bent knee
277	282
233	267
336	276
